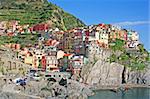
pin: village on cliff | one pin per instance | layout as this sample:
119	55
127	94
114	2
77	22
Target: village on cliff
42	52
64	51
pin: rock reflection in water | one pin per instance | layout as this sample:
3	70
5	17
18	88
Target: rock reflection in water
135	93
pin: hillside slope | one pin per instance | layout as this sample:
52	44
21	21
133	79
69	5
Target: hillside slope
37	11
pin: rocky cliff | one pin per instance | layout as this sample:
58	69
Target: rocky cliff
103	73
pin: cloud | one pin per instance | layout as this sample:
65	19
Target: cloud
128	23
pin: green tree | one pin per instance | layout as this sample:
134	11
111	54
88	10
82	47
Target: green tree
113	58
119	45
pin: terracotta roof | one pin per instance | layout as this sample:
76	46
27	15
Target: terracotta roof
67	54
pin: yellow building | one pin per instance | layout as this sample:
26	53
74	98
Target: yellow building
28	60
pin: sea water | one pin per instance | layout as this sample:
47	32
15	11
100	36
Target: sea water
134	93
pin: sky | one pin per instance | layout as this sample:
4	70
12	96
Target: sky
129	14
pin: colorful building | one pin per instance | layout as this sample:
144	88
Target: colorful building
123	35
28	60
37	58
44	63
76	63
40	27
51	63
68	41
133	39
103	39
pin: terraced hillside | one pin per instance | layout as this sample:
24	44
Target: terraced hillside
37	11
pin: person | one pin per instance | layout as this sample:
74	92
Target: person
10	80
5	80
63	82
25	79
126	88
123	90
23	83
56	93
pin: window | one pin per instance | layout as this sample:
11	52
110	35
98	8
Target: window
47	75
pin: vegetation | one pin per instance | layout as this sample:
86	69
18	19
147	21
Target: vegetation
23	39
22	71
119	44
113	58
30	12
2	70
135	59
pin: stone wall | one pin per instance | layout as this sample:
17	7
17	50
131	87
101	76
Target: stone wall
11	64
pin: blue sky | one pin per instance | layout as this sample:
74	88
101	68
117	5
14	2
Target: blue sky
112	11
